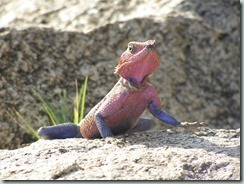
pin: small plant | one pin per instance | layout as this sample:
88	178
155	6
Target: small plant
25	124
79	102
56	116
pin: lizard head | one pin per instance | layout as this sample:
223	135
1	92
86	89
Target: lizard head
138	61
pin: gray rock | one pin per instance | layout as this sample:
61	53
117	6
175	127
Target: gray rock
191	152
46	46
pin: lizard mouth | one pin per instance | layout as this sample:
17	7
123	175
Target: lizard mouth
138	61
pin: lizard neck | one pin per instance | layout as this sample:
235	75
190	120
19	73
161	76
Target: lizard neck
129	86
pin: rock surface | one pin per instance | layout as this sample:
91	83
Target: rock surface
190	152
46	45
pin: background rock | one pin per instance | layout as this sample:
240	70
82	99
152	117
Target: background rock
186	153
46	45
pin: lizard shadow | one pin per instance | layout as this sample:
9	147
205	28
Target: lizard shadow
159	138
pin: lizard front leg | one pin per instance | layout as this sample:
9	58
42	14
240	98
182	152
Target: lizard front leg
162	115
154	107
102	126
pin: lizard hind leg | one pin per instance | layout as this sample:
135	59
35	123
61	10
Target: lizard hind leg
142	125
62	131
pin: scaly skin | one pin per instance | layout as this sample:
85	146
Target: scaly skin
121	108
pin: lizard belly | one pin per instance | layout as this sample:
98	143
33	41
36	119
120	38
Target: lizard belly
129	108
120	109
125	119
120	121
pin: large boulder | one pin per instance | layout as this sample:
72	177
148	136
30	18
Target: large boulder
191	152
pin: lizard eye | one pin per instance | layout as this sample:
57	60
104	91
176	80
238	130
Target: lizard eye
131	47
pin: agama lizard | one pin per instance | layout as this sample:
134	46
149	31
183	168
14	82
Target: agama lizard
120	110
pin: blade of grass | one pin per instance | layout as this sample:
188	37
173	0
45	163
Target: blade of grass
33	132
63	98
84	87
49	111
80	99
76	103
52	114
26	125
41	107
16	121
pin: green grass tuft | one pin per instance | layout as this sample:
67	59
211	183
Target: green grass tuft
56	115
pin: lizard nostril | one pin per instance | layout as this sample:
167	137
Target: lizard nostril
150	47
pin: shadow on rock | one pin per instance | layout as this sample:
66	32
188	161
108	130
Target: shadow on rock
218	141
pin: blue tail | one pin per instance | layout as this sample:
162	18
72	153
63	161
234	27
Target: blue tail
62	131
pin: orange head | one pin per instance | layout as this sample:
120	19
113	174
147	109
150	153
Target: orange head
138	61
